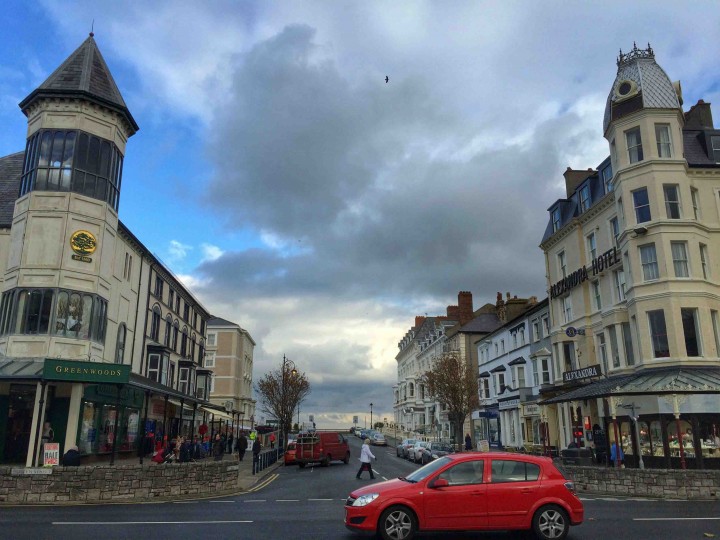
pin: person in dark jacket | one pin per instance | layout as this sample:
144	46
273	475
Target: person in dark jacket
256	447
468	442
185	454
218	448
242	446
71	457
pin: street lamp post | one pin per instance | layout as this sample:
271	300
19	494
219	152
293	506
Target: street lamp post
242	425
371	424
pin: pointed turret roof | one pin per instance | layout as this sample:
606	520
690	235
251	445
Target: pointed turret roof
84	74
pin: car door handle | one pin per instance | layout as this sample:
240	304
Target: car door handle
477	493
527	490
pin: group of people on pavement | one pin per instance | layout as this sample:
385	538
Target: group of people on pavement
183	450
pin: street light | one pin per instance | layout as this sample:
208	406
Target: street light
371	424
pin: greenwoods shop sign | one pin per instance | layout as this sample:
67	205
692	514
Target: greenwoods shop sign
90	372
598	264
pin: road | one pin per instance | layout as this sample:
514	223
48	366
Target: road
308	504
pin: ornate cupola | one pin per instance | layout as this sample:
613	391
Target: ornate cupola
78	125
640	84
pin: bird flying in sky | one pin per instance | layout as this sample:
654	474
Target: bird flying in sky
387	79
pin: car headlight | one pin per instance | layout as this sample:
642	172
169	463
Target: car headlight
364	500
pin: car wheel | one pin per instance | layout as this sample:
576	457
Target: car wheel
397	523
325	462
301	465
551	523
347	458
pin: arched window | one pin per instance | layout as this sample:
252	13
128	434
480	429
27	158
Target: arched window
192	347
120	345
155	323
184	342
176	329
168	329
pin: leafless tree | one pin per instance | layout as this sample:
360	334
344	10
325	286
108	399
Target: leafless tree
453	383
281	390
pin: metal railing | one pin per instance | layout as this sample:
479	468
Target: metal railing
266	458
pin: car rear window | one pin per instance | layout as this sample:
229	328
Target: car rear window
505	470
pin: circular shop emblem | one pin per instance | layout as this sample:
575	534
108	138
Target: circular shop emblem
83	243
571	331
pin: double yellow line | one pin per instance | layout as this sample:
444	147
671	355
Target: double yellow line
264	483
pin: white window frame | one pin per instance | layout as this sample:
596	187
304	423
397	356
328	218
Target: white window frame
556	219
681	264
567	308
619	277
670	204
585	199
596	294
592	246
210	359
562	263
704	261
212	339
614	223
664	147
649	266
634	148
695	198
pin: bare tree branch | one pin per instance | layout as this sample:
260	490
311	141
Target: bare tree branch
281	390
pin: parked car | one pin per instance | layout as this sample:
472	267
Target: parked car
402	448
415	453
435	450
469	492
321	447
378	439
290	453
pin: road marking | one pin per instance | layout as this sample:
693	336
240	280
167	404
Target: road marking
185	502
321	499
148	522
287	500
255	500
679	519
221	501
264	483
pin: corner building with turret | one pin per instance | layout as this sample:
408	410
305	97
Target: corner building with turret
632	256
101	346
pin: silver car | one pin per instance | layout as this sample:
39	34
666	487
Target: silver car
415	453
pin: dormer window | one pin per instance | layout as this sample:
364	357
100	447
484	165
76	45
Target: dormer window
607	178
634	145
715	145
585	198
556	220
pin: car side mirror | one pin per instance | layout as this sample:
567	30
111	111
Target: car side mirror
440	482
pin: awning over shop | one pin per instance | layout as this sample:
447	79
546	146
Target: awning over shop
217	413
676	380
21	368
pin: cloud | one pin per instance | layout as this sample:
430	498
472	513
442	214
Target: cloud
210	252
177	251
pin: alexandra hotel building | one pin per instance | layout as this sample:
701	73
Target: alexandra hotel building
98	340
632	258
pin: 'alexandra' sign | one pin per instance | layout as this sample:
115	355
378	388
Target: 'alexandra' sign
598	264
583	373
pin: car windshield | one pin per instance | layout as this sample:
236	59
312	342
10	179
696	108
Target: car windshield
423	472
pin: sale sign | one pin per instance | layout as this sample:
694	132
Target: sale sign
51	454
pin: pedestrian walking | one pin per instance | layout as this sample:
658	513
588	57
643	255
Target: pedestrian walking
468	442
256	447
614	449
242	446
229	448
218	448
365	456
272	440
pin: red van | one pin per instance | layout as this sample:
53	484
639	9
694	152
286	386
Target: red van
321	447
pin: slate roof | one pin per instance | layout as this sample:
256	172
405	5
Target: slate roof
85	74
653	84
10	172
482	323
217	321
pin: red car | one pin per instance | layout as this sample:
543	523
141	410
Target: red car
290	453
469	492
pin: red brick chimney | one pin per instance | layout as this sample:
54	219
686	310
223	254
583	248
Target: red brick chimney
419	320
453	313
465	307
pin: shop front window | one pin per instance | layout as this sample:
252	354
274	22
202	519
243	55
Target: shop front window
626	429
88	443
106	437
685	436
710	438
129	430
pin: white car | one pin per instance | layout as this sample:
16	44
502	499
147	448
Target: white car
415	453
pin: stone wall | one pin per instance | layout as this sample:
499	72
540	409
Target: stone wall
660	483
103	483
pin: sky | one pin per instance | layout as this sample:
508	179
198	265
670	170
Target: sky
320	208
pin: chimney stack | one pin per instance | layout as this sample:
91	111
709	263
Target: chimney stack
573	178
419	320
500	307
453	313
465	306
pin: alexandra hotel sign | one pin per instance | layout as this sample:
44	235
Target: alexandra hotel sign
582	373
597	265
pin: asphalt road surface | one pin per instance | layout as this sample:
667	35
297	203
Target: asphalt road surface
308	503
